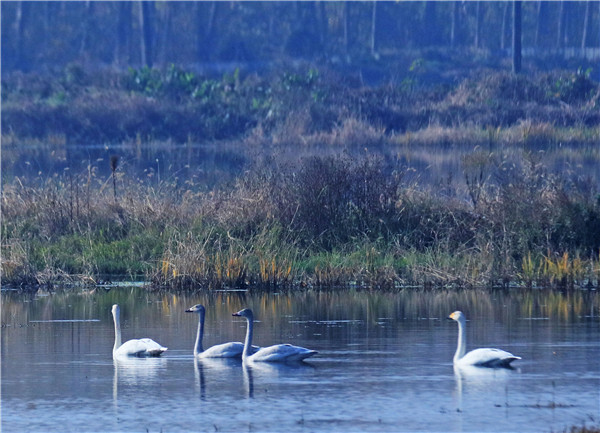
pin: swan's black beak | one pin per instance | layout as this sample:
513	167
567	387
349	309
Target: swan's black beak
189	310
236	314
449	318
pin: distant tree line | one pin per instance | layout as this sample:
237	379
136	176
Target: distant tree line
43	35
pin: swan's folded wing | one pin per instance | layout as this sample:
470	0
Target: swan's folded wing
488	357
225	350
152	347
282	352
141	347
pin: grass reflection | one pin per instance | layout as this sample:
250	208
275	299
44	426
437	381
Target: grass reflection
137	304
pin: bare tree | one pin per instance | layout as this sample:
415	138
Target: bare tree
166	27
321	20
504	26
454	25
542	23
430	24
478	23
21	21
346	18
123	45
374	29
39	34
87	24
586	23
206	14
562	25
47	20
516	40
147	29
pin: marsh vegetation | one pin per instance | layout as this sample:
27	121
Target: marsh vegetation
328	194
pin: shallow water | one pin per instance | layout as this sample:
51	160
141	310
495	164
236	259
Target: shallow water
384	363
204	166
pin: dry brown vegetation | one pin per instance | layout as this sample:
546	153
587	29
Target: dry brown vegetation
352	215
326	221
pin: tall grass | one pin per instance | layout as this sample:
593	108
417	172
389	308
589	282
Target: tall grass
353	215
325	221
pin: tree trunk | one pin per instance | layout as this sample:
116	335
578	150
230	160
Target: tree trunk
454	24
205	19
374	28
166	34
430	27
478	24
504	26
516	40
86	29
46	23
542	23
21	21
586	23
147	30
123	47
562	23
321	19
346	18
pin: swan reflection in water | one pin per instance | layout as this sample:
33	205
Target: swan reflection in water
480	380
138	372
213	367
272	373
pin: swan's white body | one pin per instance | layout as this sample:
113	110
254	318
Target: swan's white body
276	353
484	357
225	350
138	347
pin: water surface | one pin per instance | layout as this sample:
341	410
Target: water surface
205	165
384	363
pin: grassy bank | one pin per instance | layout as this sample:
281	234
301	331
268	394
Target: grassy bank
355	218
326	221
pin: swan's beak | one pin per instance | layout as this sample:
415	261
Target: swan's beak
450	317
189	310
236	314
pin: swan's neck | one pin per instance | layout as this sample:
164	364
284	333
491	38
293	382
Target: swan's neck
462	341
198	346
248	342
117	332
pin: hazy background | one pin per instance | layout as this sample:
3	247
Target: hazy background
358	36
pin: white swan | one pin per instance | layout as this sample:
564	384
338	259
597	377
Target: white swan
276	353
225	350
141	347
484	357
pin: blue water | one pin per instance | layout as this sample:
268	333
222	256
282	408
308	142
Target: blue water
384	363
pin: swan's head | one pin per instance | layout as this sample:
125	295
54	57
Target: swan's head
458	316
115	310
198	308
246	312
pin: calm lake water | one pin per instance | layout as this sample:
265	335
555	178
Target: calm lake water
205	166
384	363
